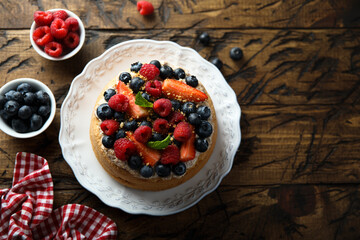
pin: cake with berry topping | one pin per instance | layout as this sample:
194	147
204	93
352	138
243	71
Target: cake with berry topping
153	127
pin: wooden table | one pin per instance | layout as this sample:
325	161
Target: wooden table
296	174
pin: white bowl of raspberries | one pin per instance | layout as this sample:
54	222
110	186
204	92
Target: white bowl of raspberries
27	108
57	34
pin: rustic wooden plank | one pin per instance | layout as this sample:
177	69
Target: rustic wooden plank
107	14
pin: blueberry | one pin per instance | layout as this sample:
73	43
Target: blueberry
194	119
179	169
130	125
24	88
9	95
29	98
44	110
109	93
146	171
120	134
135	162
176	142
34	108
179	73
175	104
108	141
125	77
136	83
42	98
217	62
156	63
204	38
11	107
104	111
201	144
204	112
146	96
19	125
4	115
204	130
146	123
157	137
36	122
192	81
162	170
236	53
188	107
119	116
135	67
166	72
25	112
3	100
15	96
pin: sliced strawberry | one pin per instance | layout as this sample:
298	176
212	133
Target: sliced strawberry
134	110
187	149
150	156
178	90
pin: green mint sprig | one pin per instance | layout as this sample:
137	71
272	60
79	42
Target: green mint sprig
142	102
160	144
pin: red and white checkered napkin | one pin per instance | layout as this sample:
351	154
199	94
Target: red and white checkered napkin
26	208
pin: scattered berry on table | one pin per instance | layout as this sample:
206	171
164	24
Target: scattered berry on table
125	77
130	125
179	169
201	144
145	7
136	83
103	111
236	53
42	18
119	102
42	35
162	170
146	171
217	62
188	107
109	126
204	112
72	24
156	63
192	81
60	14
166	72
153	88
149	71
182	131
163	107
109	93
135	162
108	141
58	28
179	73
204	130
72	40
143	134
161	125
124	149
53	49
135	67
204	38
170	155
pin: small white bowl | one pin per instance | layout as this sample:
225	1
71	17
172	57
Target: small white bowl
42	53
37	85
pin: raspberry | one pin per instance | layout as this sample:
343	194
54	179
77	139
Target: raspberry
124	149
43	18
143	134
72	40
119	103
72	24
182	132
145	7
42	35
149	71
60	14
170	155
109	126
175	117
153	88
161	125
162	107
58	28
54	49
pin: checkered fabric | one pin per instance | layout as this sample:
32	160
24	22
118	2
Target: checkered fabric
26	208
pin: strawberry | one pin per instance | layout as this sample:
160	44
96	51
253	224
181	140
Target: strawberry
178	90
187	149
150	156
134	110
170	155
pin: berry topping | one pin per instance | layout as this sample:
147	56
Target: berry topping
162	170
163	107
175	117
54	49
187	149
179	73
161	125
143	134
124	149
217	62
145	7
150	156
125	77
136	83
135	67
120	134
181	91
72	24
146	96
43	18
182	131
42	35
119	102
157	137
109	126
146	123
192	81
130	125
175	104
236	53
153	88
201	144
149	71
156	63
72	40
204	112
194	119
188	108
135	162
104	111
204	130
170	155
146	171
166	72
179	169
108	141
58	28
109	93
60	14
204	38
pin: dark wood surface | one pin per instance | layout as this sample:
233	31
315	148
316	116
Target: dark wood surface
296	174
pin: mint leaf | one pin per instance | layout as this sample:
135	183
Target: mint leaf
141	101
159	144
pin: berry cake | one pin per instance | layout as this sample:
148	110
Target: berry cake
153	127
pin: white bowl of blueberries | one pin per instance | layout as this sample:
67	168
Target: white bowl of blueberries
27	108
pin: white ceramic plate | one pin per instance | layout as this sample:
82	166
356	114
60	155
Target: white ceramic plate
75	123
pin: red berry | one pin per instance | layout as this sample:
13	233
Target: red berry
170	155
149	71
182	131
119	103
124	149
60	14
161	125
162	107
42	35
72	24
58	28
153	88
175	117
53	49
72	40
145	7
109	126
143	134
43	18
